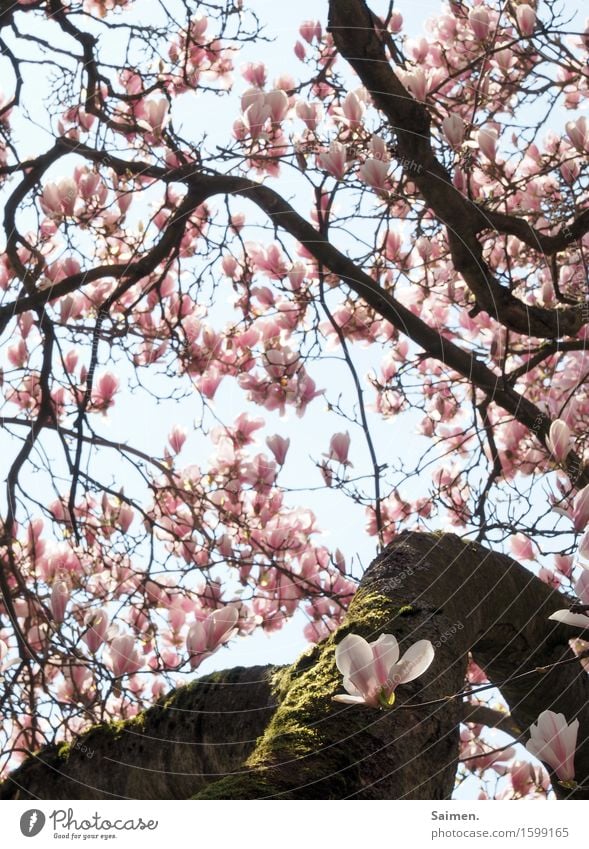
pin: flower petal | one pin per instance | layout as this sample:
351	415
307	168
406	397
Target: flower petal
385	652
582	587
354	659
350	700
579	620
351	689
414	663
553	741
221	623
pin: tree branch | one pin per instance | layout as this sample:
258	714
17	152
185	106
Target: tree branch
364	49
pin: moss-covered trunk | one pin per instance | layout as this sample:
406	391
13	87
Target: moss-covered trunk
462	597
459	595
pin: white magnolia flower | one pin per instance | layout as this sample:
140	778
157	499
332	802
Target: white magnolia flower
373	671
554	741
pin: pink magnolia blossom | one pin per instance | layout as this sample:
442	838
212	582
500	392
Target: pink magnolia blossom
374	172
96	624
558	440
310	113
527	778
243	428
526	19
38	637
554	741
334	160
254	73
155	114
578	133
339	447
522	547
299	51
90	185
396	22
373	671
478	19
416	82
549	577
260	473
570	170
278	445
58	199
125	517
310	30
564	564
478	755
487	142
78	682
270	260
454	129
206	636
353	109
277	103
60	595
209	383
296	275
177	438
124	657
581	509
255	116
104	391
505	59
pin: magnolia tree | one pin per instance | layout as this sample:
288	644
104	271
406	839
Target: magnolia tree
225	283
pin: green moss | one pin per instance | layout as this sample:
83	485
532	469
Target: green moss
180	698
282	680
298	728
307	744
113	730
64	751
247	785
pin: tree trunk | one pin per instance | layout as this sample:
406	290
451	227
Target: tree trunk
459	595
192	736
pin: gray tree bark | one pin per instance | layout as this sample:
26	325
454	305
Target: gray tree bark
190	737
